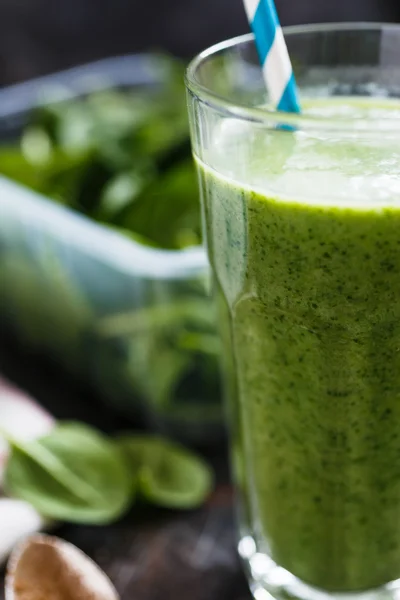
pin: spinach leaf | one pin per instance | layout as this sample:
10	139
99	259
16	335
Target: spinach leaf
197	311
168	474
44	303
122	190
74	474
195	341
156	368
177	342
166	207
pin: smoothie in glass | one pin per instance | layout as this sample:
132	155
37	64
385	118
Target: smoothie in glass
304	242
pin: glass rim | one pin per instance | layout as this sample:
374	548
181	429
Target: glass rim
266	116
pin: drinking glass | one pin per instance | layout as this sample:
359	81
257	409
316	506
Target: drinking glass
301	219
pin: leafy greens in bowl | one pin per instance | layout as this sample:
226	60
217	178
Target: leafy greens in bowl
101	262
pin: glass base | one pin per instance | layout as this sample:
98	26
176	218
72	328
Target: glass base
268	580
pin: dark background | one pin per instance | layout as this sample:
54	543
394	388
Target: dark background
41	36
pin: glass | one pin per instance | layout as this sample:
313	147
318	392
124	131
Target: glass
123	317
302	221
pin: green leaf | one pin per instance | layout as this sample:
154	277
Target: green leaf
74	474
15	166
74	129
195	311
168	344
122	190
156	368
194	341
36	146
167	206
165	132
169	368
44	303
168	474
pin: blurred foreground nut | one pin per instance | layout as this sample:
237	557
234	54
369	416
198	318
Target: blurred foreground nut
47	568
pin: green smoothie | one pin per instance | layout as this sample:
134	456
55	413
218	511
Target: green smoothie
304	240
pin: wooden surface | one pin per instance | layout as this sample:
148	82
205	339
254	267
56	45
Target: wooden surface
152	554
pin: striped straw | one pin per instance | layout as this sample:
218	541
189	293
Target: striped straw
273	53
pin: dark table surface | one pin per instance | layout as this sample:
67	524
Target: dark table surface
151	555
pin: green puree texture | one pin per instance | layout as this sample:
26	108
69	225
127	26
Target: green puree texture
310	319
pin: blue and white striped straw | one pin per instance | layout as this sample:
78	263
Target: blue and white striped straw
274	57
